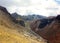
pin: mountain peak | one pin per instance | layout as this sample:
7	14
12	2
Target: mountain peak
58	17
3	9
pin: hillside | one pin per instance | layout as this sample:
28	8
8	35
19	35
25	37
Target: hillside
49	31
11	32
27	19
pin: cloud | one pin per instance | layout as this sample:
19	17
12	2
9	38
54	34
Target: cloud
57	1
14	2
41	7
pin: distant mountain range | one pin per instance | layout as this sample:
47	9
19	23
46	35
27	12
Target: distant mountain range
27	17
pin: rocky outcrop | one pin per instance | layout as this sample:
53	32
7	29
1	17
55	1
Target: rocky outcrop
3	9
21	22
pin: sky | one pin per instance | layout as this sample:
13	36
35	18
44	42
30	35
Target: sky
25	7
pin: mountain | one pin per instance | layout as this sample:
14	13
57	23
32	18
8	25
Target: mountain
11	32
28	17
48	28
18	19
16	15
43	22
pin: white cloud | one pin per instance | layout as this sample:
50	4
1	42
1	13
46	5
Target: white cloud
42	7
12	9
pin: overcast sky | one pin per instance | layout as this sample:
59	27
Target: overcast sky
24	7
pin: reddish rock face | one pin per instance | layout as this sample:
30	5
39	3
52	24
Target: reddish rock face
54	38
54	35
50	32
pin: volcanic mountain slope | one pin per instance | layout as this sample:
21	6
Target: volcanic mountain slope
50	32
10	32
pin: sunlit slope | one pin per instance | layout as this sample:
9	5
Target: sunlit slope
11	32
11	36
